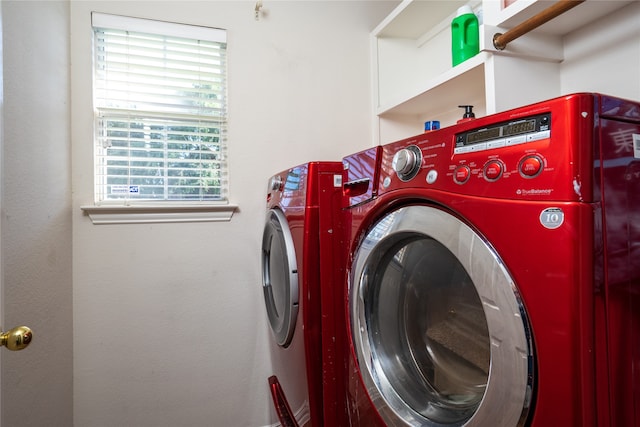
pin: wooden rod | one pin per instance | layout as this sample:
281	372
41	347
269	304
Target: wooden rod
500	40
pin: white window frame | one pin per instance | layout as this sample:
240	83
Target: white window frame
107	210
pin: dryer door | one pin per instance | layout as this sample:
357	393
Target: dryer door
279	277
439	332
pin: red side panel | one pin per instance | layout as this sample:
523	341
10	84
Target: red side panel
619	172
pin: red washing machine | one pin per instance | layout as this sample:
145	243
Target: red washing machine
494	279
301	247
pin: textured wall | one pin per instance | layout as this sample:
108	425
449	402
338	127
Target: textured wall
36	213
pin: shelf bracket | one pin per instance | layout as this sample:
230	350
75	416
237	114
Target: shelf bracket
500	40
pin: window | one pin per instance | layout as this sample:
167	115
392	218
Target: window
160	111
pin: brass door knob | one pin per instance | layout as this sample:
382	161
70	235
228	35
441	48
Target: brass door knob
17	338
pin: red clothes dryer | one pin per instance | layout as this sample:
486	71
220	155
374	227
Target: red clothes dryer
301	247
494	277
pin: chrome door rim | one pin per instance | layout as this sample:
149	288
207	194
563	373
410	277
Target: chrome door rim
282	324
508	390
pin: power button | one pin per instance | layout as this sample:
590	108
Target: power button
461	174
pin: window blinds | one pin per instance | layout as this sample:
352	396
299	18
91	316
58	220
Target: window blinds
161	114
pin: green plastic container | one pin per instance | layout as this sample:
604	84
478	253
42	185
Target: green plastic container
465	35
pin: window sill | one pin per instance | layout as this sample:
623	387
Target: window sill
158	213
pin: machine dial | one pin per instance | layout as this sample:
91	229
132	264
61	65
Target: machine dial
276	183
406	162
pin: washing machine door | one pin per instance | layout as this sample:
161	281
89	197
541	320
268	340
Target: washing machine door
279	276
438	329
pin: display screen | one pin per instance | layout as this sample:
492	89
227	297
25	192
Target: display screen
504	130
518	128
483	135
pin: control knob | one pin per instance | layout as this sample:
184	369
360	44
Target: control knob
276	183
406	162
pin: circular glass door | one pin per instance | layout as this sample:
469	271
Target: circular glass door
438	328
279	277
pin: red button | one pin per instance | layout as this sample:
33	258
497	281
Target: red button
461	174
493	170
530	166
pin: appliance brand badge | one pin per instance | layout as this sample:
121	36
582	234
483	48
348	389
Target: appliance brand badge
534	192
552	218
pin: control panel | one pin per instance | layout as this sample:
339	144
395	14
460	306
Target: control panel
538	152
506	158
503	135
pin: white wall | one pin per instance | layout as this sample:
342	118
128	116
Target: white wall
605	56
169	323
